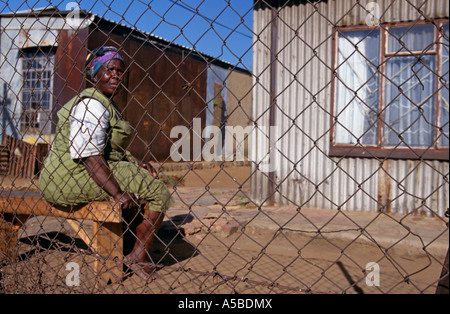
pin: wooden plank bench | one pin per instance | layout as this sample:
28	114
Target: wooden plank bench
107	238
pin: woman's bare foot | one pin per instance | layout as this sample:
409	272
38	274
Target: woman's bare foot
144	270
138	260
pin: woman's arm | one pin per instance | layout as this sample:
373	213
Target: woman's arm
143	164
149	168
88	121
100	172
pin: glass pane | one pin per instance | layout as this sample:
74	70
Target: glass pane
26	100
36	92
45	102
357	102
444	114
409	113
416	38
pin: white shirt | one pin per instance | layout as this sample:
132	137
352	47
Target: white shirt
89	121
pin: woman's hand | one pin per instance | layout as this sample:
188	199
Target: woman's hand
150	169
100	172
127	201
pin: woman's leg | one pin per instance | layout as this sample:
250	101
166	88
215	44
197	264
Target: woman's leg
139	260
145	235
137	180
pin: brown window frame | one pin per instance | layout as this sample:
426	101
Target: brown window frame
434	152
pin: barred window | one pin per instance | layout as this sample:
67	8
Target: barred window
391	92
37	69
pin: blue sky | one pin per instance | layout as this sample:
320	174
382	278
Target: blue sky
220	28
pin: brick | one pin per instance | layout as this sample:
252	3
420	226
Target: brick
229	228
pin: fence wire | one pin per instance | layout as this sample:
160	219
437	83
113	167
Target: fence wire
304	150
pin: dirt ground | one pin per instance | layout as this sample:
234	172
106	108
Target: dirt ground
215	177
213	241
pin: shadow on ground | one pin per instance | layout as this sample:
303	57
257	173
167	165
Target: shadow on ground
170	246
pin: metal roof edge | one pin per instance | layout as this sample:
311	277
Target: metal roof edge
51	10
168	43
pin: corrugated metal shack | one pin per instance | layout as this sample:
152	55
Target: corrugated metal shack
295	65
167	84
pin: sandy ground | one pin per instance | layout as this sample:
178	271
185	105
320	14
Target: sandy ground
215	241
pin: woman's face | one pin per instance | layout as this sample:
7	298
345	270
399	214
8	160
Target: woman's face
109	77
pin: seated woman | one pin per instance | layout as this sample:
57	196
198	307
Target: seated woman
89	161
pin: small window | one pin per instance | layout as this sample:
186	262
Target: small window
391	92
37	70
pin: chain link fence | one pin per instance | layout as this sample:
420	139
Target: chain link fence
271	147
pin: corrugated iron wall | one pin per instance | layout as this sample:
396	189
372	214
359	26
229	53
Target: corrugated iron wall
305	175
24	160
156	100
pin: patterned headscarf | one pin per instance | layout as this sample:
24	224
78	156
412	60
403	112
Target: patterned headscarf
100	56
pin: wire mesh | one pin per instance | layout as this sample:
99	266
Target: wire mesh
290	146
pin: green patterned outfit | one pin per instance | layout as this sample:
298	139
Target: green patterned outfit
66	182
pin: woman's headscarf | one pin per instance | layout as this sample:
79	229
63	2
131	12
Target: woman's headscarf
100	56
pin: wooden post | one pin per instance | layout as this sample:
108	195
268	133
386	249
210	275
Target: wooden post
8	241
108	244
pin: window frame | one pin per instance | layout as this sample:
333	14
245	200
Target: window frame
434	152
31	115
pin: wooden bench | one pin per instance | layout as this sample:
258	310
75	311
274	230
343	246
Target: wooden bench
107	238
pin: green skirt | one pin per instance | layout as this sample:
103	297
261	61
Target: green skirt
70	184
